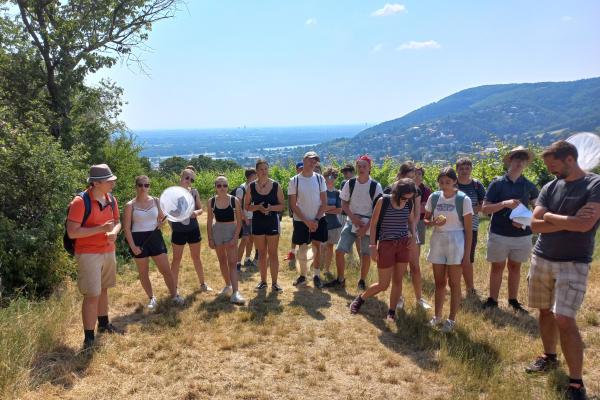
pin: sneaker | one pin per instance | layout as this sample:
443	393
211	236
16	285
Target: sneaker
205	288
576	393
317	281
448	326
152	304
291	256
178	300
542	364
362	286
423	304
435	321
237	298
490	304
226	291
335	283
391	316
517	307
276	288
110	328
261	286
301	281
238	266
356	304
400	305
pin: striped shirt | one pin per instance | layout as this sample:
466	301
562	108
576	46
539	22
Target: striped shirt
395	223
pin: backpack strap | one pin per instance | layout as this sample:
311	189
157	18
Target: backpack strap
372	190
232	201
459	202
435	196
351	183
212	204
385	204
87	205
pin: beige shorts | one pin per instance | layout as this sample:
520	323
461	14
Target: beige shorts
516	249
95	272
559	286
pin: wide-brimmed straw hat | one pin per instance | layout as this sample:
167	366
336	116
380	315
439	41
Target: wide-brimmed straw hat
100	172
516	150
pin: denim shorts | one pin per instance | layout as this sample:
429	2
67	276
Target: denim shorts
347	239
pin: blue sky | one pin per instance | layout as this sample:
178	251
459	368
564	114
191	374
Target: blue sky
227	63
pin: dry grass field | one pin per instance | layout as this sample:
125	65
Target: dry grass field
298	344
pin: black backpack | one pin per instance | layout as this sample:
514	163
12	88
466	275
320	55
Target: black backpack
372	190
68	243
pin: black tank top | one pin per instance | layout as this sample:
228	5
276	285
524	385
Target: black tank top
264	199
224	214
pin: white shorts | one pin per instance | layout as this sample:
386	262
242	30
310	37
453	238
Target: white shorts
446	248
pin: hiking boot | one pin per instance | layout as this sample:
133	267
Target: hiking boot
490	304
542	364
400	304
152	304
261	286
517	307
448	326
334	283
356	304
423	304
237	299
391	316
300	281
110	328
362	286
317	282
276	288
576	393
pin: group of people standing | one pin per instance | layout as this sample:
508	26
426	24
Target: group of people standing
385	225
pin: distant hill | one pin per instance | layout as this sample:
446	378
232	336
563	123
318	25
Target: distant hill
474	118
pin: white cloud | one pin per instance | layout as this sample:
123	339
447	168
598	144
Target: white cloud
310	22
413	45
377	48
567	18
389	9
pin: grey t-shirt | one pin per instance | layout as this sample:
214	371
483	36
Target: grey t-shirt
566	198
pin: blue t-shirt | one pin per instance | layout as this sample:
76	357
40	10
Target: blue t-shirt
502	188
333	199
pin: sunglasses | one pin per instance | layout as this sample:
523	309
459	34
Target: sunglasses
189	178
330	177
141	185
221	185
406	198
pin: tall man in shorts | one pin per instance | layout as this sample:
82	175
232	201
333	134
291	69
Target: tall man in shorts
95	248
358	196
566	217
508	243
476	192
307	194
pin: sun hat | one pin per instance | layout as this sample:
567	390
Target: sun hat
516	150
311	154
100	172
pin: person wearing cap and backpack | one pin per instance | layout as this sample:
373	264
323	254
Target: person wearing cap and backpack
358	196
450	212
93	224
307	196
476	192
246	241
508	244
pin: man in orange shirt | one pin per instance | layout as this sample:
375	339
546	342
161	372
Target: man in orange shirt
95	232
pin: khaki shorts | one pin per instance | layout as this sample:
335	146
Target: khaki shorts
559	286
95	272
516	249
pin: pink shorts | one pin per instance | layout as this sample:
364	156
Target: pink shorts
391	252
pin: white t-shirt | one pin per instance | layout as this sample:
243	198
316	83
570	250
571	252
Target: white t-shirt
447	208
308	198
239	193
361	202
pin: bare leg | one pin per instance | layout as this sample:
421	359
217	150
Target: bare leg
340	264
89	312
195	254
385	276
176	262
162	263
398	274
548	331
365	264
260	242
222	257
144	275
231	261
571	345
496	279
272	245
454	275
415	271
514	277
439	276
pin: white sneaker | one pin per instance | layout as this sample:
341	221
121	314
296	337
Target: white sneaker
448	326
423	304
435	321
237	298
178	300
400	305
153	304
205	288
227	291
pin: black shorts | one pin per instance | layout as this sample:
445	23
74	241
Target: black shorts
265	226
473	246
151	242
181	238
302	235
